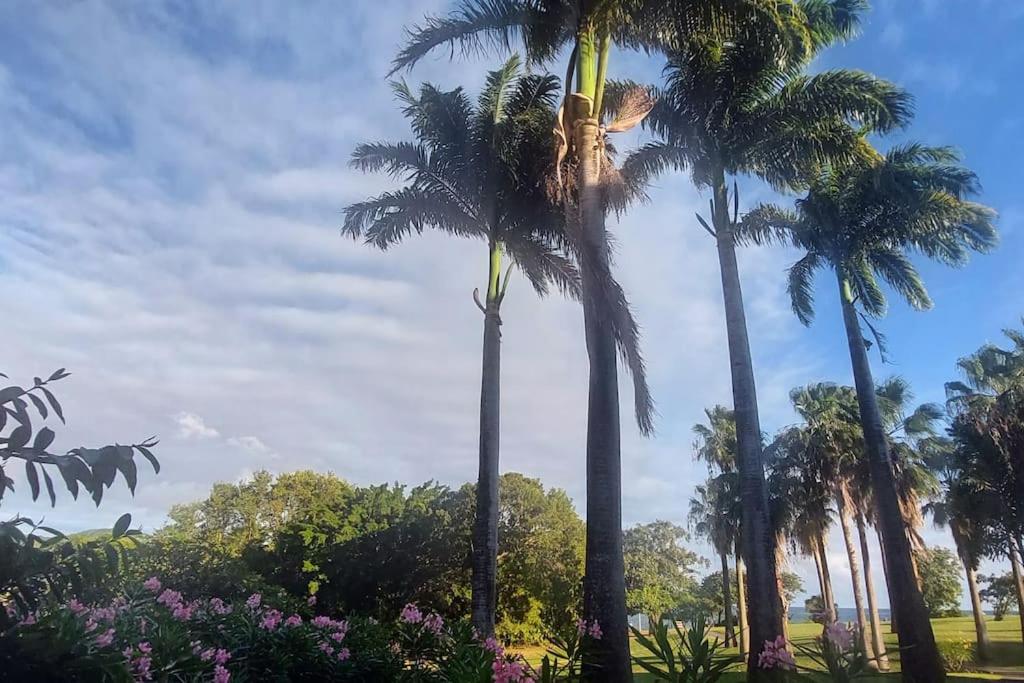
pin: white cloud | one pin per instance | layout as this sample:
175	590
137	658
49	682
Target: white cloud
192	426
251	444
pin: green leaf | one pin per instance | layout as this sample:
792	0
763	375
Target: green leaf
8	394
19	437
33	478
121	525
148	455
59	373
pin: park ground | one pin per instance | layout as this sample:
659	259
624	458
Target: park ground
1007	662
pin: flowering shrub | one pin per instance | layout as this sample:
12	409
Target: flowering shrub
837	651
155	634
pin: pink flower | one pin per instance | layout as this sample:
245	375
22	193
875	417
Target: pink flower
509	670
106	638
411	614
76	607
90	625
221	675
595	630
170	599
840	636
28	620
218	607
221	657
127	652
145	647
775	654
433	623
293	620
311	601
207	654
152	584
326	648
492	645
271	620
141	670
343	654
182	612
103	614
254	601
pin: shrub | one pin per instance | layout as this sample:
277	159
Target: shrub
957	655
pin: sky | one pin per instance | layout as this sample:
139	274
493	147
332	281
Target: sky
172	177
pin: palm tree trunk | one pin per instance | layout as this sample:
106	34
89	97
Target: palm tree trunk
980	628
919	654
741	606
826	575
485	526
604	586
893	621
869	585
842	503
757	540
730	635
816	556
1018	584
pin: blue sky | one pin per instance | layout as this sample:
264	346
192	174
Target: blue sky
171	181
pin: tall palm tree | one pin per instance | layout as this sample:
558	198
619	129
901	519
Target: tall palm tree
710	518
830	412
588	185
797	477
474	171
746	107
861	220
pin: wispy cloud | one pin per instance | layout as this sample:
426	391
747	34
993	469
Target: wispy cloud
191	426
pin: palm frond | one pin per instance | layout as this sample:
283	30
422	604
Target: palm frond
394	158
386	219
801	286
493	98
544	266
767	224
897	270
652	160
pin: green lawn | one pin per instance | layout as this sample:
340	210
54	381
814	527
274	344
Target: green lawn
1008	652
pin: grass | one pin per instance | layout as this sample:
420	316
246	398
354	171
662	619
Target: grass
1007	649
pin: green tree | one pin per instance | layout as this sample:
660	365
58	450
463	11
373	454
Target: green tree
1000	592
478	172
861	220
589	186
746	107
660	571
940	581
712	515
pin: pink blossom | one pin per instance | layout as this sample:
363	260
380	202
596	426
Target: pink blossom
840	636
338	636
509	670
127	652
182	612
105	638
152	584
411	614
293	620
311	601
221	656
90	625
221	675
218	607
492	645
207	654
775	654
343	654
254	601
169	598
145	647
326	648
104	614
271	620
434	623
140	667
595	630
28	620
76	607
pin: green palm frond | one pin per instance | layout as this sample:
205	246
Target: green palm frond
897	270
768	224
493	98
384	220
544	265
800	286
653	159
395	159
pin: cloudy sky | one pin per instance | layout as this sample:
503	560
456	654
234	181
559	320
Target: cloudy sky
171	184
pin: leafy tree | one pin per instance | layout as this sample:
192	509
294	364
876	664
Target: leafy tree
792	586
999	592
861	220
940	581
711	517
817	611
746	107
476	171
659	569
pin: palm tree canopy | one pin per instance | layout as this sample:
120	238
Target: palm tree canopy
863	219
473	171
715	441
989	371
744	105
715	511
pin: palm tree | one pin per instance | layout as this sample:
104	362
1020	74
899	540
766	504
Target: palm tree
746	107
709	518
830	412
861	220
956	507
795	474
588	187
473	171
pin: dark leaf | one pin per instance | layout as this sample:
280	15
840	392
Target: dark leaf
111	556
67	471
33	478
53	403
43	439
8	394
57	374
52	531
129	471
49	487
148	455
19	438
40	406
37	381
121	525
